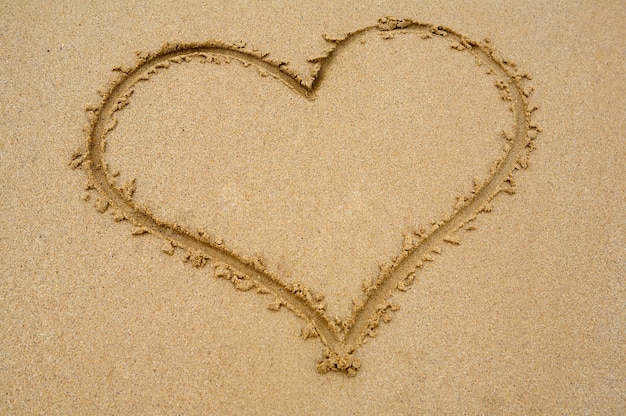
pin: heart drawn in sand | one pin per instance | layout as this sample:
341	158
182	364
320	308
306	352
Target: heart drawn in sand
341	338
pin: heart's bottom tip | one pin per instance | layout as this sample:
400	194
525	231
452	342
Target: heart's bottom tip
340	359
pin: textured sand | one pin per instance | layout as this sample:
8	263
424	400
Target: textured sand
525	316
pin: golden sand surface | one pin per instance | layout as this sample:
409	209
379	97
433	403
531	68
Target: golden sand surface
313	208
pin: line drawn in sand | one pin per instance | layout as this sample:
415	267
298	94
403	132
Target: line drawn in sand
341	338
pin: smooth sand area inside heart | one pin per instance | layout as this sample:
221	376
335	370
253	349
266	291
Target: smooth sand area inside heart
321	190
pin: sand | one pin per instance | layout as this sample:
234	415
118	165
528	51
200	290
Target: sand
226	208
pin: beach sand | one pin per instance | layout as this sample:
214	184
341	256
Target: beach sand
230	208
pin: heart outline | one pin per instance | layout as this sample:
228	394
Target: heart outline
341	339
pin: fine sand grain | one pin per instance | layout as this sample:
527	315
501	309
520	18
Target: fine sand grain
436	199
